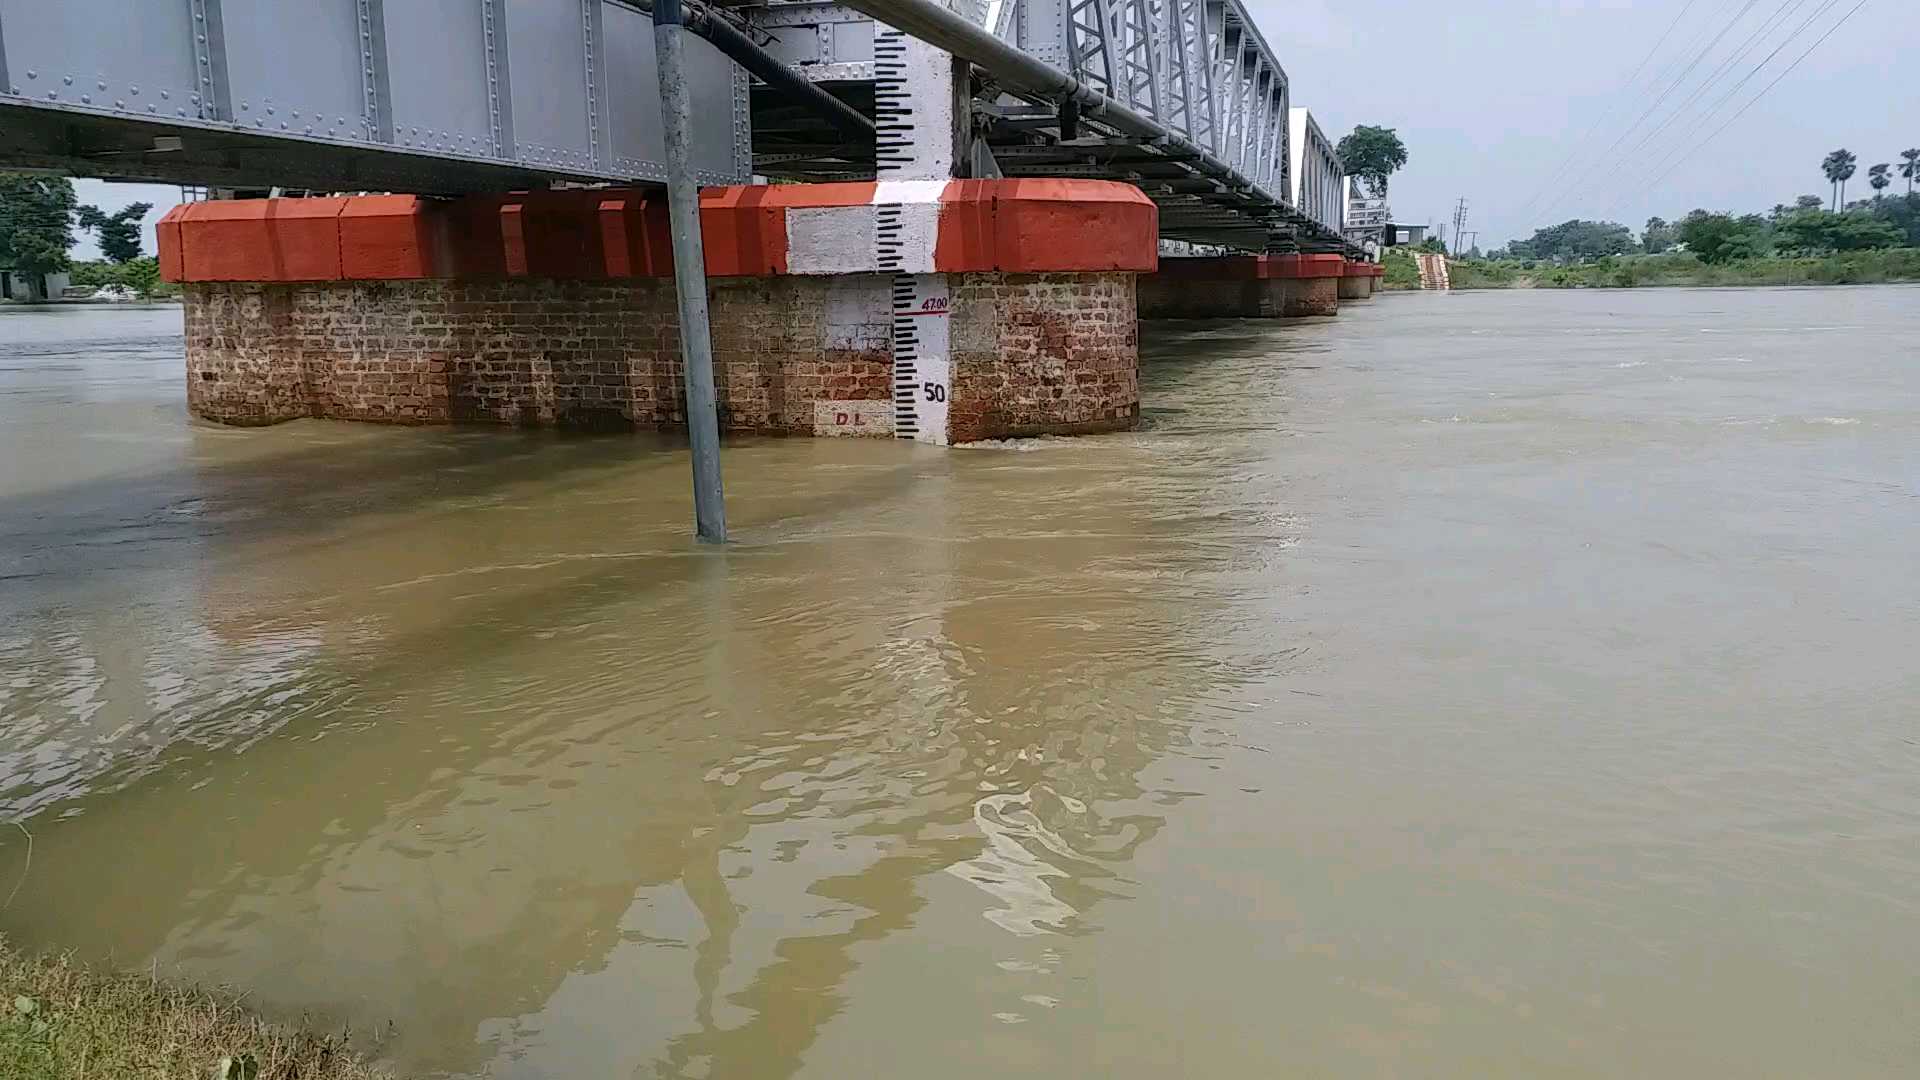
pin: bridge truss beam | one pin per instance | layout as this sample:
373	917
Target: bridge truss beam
1181	97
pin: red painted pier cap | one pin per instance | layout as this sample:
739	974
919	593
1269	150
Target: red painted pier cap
1014	226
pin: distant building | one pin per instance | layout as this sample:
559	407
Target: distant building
1400	233
1366	217
32	288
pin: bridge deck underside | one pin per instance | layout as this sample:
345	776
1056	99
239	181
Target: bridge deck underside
119	148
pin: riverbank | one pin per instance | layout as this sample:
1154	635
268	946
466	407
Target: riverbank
1884	266
63	1021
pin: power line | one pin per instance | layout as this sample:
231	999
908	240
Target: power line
1655	91
1681	147
1741	53
1765	89
1630	161
1606	116
1699	56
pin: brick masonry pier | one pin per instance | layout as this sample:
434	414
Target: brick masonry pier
1356	282
1253	286
944	311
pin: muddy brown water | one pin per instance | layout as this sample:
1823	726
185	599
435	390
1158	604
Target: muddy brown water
1478	684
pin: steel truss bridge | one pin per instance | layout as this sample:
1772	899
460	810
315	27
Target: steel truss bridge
1183	98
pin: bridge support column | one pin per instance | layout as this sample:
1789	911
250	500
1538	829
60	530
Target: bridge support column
1243	287
558	309
1312	282
1214	287
1356	282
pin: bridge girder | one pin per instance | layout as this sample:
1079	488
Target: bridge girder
488	94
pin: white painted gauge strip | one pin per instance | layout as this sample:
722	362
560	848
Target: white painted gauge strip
913	154
922	358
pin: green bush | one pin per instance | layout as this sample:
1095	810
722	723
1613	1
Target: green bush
1684	268
1401	271
142	275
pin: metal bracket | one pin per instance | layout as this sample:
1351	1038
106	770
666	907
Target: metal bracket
596	87
376	94
493	22
211	94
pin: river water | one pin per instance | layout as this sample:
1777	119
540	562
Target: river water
1478	684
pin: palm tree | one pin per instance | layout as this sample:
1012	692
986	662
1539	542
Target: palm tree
1879	176
1910	167
1839	167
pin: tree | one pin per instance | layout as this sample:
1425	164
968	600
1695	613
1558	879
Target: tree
117	234
1903	213
1373	154
1658	236
36	223
1808	202
1879	177
1910	167
1818	232
1577	240
1839	167
1718	238
141	275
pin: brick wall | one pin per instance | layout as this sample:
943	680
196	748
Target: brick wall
1043	354
534	352
247	329
1032	353
1312	296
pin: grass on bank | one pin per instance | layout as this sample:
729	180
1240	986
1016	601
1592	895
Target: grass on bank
1679	269
1401	271
63	1021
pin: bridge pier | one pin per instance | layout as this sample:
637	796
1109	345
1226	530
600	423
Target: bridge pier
1313	283
833	306
1244	286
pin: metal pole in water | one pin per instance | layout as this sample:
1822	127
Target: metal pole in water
689	272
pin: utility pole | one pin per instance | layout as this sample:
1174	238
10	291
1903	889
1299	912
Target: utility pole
1459	221
689	272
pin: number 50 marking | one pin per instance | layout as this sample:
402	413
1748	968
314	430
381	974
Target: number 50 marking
934	391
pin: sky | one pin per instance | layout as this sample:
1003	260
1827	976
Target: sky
1493	98
1527	108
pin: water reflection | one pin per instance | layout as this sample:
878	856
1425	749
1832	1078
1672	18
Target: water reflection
457	732
1374	709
